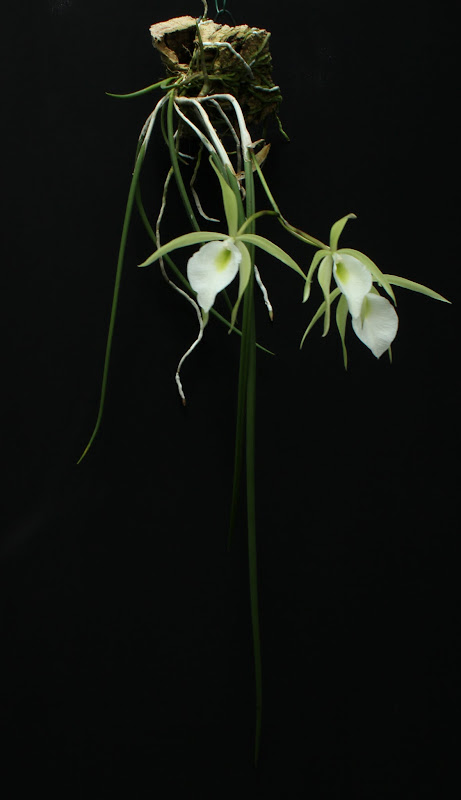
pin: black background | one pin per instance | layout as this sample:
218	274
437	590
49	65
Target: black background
126	636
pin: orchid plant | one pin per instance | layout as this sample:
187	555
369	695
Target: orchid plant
204	103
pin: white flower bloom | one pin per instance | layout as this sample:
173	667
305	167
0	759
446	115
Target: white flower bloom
376	325
354	280
374	319
212	268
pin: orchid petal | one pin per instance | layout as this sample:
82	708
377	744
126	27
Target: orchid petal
377	324
211	269
354	280
374	269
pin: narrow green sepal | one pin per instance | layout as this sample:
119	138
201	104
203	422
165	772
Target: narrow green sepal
324	278
318	255
342	311
337	229
405	283
195	237
272	249
321	310
244	273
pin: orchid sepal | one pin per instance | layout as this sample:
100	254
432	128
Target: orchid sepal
324	277
342	311
337	229
195	237
317	257
271	248
405	283
321	310
244	277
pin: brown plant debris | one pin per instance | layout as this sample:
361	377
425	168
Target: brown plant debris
210	58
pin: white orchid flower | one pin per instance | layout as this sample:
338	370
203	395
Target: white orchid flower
212	268
222	256
374	319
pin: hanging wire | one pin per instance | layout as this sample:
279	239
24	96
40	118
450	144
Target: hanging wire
223	10
219	11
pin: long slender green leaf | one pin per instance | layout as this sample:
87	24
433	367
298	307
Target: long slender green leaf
140	154
249	330
163	84
175	164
